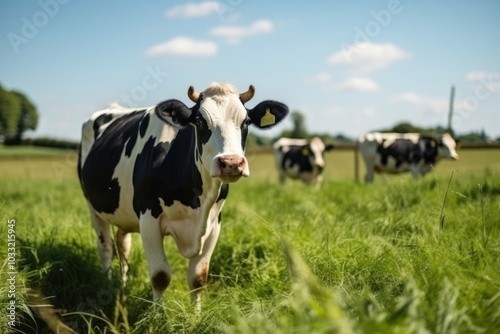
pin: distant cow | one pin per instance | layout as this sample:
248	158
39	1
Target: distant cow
301	159
164	170
397	153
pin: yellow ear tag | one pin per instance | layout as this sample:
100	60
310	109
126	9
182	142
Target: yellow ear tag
268	118
433	144
305	151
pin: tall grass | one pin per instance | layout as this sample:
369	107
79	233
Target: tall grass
346	258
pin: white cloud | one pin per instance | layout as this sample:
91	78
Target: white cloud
194	9
183	46
368	57
234	34
482	75
435	104
358	84
321	78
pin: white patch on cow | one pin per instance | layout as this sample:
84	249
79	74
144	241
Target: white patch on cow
191	227
317	147
447	149
224	113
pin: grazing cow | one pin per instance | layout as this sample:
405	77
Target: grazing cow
164	170
397	152
301	159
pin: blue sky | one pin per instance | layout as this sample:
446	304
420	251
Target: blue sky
348	66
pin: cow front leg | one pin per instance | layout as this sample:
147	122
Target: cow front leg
370	170
199	266
152	240
124	244
104	241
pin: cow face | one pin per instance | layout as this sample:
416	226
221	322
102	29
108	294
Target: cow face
447	146
317	149
221	122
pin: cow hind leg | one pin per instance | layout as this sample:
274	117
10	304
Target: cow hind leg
124	244
198	267
104	241
152	239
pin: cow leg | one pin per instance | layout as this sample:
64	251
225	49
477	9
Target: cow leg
415	171
152	240
282	177
104	241
198	266
123	243
319	180
370	168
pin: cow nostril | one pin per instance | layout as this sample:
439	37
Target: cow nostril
222	164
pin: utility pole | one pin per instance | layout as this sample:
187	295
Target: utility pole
450	112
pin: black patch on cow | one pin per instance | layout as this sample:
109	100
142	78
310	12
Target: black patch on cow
429	148
167	171
133	139
100	121
244	132
203	133
175	112
99	186
144	125
405	151
300	156
224	191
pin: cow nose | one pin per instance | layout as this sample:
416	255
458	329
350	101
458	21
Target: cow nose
231	165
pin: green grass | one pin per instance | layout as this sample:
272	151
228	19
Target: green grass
397	256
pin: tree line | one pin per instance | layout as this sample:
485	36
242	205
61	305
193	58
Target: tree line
299	130
18	114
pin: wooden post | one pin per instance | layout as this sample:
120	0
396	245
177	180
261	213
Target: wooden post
450	112
356	163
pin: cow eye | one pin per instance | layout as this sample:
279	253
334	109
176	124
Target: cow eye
198	122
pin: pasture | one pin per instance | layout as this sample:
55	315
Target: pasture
397	256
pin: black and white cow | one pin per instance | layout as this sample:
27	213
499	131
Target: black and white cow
301	159
403	152
164	170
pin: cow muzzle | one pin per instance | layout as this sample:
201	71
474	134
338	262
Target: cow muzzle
229	168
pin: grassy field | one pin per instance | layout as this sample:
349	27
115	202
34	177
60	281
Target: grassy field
396	256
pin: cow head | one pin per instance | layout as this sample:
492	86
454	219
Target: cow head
221	121
446	147
316	150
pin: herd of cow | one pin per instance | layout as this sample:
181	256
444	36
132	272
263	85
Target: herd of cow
165	170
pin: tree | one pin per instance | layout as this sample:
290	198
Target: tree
299	126
28	117
17	115
10	110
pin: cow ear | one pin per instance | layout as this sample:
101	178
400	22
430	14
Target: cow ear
329	147
267	114
174	112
